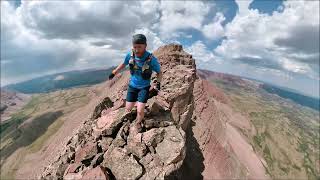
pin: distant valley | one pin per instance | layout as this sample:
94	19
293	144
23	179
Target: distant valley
63	80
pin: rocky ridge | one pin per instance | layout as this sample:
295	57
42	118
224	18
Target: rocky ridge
105	147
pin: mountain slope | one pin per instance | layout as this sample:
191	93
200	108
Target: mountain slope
281	131
11	101
36	124
225	151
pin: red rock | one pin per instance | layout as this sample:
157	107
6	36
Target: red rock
106	120
86	152
105	143
72	168
135	144
119	104
72	176
96	173
153	137
121	164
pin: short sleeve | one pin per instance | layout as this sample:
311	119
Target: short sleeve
126	59
155	65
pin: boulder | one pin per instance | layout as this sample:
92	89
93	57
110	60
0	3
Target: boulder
72	168
106	120
104	143
120	139
153	136
105	104
121	164
172	148
86	153
97	173
110	123
135	145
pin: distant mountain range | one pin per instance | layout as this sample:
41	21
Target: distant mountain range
304	100
63	80
283	92
70	79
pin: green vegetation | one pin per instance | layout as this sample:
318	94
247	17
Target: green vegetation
287	134
29	128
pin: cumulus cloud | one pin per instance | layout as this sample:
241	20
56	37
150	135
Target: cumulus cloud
75	20
153	41
178	15
214	30
287	41
200	52
43	37
23	53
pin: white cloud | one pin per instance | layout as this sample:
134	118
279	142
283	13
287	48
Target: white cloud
42	37
243	6
153	40
214	30
200	52
74	20
177	15
281	38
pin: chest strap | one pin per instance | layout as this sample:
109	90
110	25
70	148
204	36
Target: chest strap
146	69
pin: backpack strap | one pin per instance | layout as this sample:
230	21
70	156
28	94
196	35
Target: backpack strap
132	62
146	64
132	54
149	58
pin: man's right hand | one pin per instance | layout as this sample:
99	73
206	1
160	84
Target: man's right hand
111	75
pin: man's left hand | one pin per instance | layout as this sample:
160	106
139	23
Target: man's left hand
158	86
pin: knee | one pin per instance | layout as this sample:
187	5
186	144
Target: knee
140	111
129	108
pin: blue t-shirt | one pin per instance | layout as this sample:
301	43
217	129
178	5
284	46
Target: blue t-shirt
136	79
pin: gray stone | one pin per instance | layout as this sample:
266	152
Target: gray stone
97	160
153	136
172	148
121	164
104	143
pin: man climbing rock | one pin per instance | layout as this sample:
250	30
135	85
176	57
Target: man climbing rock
142	63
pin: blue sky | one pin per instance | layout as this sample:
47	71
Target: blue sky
273	41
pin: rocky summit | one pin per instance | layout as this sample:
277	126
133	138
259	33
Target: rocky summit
106	147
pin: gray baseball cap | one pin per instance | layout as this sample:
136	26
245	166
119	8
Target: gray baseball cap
139	39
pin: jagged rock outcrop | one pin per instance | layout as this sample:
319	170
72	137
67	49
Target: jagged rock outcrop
105	147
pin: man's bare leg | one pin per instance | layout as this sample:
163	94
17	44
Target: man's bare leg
129	106
140	111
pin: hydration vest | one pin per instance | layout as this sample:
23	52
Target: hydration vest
146	69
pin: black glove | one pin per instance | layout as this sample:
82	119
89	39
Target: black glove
152	92
111	76
158	86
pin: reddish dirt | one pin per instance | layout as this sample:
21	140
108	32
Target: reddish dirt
225	152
